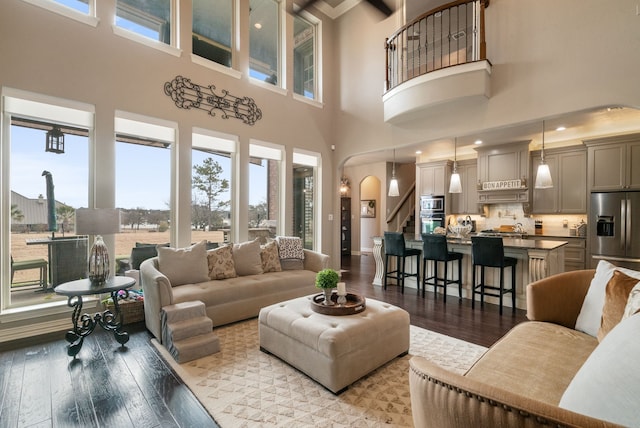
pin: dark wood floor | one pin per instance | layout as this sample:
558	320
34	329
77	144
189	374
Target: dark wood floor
108	385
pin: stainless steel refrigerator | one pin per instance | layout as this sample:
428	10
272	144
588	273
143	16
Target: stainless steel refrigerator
614	228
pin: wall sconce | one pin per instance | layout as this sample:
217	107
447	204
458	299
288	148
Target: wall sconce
344	186
55	140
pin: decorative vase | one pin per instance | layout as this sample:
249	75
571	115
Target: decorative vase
327	296
99	270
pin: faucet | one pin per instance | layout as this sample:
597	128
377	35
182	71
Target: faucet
518	228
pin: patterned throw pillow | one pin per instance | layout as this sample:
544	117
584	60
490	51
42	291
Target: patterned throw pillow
220	262
270	258
633	303
290	247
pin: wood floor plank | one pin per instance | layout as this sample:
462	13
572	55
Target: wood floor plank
11	404
35	400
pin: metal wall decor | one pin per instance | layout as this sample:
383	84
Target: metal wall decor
188	95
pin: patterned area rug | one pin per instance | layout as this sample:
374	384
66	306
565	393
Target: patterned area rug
241	386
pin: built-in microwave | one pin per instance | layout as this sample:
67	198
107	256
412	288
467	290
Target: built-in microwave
430	223
430	204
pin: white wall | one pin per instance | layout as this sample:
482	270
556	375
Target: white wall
548	58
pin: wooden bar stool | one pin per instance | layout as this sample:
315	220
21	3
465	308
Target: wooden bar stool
489	252
394	246
434	248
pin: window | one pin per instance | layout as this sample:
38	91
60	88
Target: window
143	188
264	190
148	18
44	184
305	58
306	197
212	160
79	5
264	41
213	30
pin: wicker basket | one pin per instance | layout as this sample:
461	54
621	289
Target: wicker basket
132	310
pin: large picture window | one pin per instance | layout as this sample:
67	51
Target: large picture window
306	201
211	178
264	190
143	183
46	175
213	30
265	41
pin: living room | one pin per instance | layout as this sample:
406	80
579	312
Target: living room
547	62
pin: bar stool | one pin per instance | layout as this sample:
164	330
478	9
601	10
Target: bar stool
434	248
394	246
489	252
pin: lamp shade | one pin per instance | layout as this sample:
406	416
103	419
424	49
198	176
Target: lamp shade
97	221
393	187
455	186
543	177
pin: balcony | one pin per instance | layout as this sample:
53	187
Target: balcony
438	58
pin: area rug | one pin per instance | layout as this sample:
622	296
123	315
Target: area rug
241	386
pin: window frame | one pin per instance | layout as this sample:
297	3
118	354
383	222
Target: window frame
68	12
313	159
317	54
275	152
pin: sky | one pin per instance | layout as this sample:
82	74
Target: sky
142	173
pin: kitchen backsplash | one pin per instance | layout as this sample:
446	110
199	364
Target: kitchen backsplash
510	214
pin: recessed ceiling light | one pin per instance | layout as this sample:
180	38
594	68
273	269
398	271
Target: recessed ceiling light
258	25
560	128
418	152
478	142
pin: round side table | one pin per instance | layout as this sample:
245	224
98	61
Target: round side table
83	323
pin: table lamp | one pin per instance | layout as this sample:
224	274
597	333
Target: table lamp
98	222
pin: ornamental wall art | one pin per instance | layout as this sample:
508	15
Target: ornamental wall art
188	95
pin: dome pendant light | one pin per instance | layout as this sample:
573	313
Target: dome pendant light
393	184
455	186
543	176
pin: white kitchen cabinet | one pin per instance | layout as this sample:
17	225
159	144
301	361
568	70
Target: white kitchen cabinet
432	178
614	163
568	195
467	201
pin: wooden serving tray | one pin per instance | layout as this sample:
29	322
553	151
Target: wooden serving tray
355	304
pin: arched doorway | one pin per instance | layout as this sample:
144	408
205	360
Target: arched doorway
369	212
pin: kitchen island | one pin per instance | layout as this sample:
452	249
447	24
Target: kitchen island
537	259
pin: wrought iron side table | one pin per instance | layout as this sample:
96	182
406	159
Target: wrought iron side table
84	324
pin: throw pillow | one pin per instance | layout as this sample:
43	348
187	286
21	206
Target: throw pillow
270	258
184	265
633	302
220	261
616	296
591	312
246	257
607	386
290	247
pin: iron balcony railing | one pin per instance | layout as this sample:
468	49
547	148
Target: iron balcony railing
449	35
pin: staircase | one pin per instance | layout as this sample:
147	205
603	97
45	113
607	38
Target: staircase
409	228
187	331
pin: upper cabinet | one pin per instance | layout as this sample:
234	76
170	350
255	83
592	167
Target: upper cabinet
503	172
432	178
568	195
467	201
614	163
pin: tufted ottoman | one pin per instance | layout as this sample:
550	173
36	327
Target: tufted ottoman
334	350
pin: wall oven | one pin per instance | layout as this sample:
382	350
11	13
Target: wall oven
432	213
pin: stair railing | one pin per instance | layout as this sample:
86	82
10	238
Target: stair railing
402	211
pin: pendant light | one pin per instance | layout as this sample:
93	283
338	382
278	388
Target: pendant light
455	186
393	185
543	176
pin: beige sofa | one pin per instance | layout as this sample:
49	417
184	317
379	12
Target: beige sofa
527	379
228	300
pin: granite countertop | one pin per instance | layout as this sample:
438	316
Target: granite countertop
525	244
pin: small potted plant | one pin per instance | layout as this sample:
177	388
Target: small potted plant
327	280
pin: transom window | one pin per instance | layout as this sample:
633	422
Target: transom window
213	30
264	41
148	18
304	58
